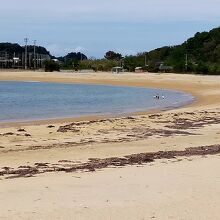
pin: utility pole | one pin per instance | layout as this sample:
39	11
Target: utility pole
36	60
6	59
35	54
14	60
29	60
25	58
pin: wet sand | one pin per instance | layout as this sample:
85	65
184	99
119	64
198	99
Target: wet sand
38	160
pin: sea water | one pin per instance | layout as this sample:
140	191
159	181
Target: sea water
23	101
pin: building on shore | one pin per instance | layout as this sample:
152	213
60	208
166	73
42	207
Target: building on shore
139	70
117	69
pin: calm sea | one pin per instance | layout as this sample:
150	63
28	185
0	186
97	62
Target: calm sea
23	101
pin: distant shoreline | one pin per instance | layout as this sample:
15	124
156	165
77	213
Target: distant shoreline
107	79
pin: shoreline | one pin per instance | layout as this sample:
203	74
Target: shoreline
55	78
63	119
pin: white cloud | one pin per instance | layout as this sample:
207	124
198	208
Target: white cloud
79	49
60	49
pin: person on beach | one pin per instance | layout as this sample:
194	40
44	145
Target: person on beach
157	96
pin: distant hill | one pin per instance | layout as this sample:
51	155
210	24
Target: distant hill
11	48
72	60
200	54
73	56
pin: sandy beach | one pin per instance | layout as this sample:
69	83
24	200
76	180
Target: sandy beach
143	165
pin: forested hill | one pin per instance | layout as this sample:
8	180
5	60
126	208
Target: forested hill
73	56
11	48
200	54
16	48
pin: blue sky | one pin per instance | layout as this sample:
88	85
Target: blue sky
96	26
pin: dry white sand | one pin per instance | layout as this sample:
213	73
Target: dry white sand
187	189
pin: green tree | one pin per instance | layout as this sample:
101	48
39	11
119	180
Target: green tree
111	55
51	66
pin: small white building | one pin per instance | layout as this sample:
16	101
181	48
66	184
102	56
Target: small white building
16	60
138	70
117	69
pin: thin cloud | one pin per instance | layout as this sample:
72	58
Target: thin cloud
114	10
59	49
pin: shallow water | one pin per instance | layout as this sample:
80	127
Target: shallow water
23	101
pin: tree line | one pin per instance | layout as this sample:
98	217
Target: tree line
199	54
